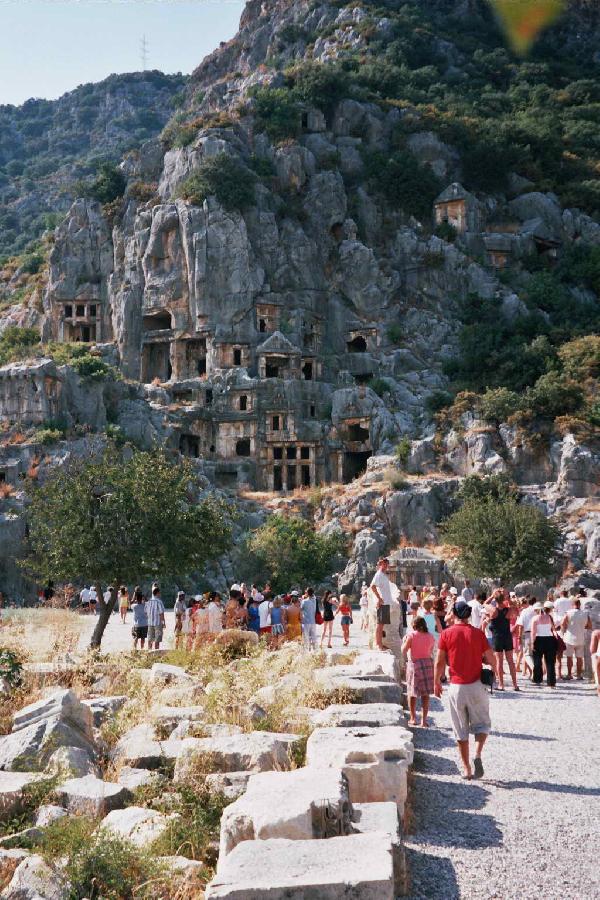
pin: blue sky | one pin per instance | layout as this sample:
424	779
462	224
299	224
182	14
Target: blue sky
48	47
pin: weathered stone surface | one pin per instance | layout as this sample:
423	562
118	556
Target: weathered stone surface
34	879
104	707
9	860
163	673
376	689
298	805
11	790
258	751
374	760
32	746
383	818
359	867
230	784
134	778
138	825
90	796
173	715
359	715
139	748
63	704
376	662
49	813
74	761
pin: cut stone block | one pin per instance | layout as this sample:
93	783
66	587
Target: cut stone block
138	825
374	760
90	796
258	751
9	860
64	705
383	817
104	707
49	813
172	715
135	778
74	761
352	715
139	749
377	662
359	867
298	805
230	784
33	879
31	747
373	689
163	673
11	790
180	865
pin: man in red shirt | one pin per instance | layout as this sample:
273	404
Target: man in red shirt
464	648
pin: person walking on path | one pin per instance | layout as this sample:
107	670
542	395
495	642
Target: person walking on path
364	608
308	607
464	648
123	603
595	654
328	617
418	647
543	641
139	632
497	611
155	611
345	611
380	586
574	626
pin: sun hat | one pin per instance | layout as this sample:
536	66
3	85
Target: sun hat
454	590
513	594
538	605
548	605
235	587
462	609
295	593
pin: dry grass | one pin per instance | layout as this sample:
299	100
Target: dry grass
46	635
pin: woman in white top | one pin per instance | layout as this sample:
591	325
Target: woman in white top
544	644
364	606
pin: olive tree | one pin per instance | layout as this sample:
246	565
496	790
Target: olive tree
122	518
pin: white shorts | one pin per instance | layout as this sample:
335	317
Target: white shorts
574	650
469	709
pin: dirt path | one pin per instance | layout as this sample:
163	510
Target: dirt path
530	828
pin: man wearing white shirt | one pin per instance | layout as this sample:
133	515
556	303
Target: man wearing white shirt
84	599
93	599
562	605
264	614
476	612
524	621
381	587
467	593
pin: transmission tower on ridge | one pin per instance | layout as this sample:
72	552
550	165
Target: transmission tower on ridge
144	52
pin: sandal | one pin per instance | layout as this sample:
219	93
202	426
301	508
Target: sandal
478	766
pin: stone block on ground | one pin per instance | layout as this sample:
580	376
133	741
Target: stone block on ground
383	817
257	751
63	704
229	784
11	790
9	860
377	662
49	813
90	796
34	879
374	760
140	749
31	747
163	673
136	824
104	707
359	867
134	778
74	761
171	716
300	805
350	715
375	689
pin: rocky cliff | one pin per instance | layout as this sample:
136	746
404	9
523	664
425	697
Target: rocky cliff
359	228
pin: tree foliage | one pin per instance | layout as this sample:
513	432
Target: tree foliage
123	518
498	536
109	184
223	177
290	552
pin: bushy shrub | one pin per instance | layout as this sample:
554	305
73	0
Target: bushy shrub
379	385
277	112
319	84
402	181
497	404
263	166
395	333
438	400
446	231
109	184
554	395
92	368
403	450
48	436
581	357
224	177
16	342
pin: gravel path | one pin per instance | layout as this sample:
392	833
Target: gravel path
531	827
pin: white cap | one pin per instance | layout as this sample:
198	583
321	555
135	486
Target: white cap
295	593
235	587
512	594
258	597
453	590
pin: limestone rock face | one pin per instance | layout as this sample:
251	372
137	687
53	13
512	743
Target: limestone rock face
357	715
11	790
34	879
257	751
72	760
91	796
136	824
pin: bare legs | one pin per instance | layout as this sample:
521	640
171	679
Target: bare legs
463	749
412	703
500	667
327	630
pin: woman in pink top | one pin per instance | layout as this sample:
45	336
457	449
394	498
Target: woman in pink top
418	646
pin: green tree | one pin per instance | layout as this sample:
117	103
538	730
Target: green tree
110	184
289	551
499	537
121	519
